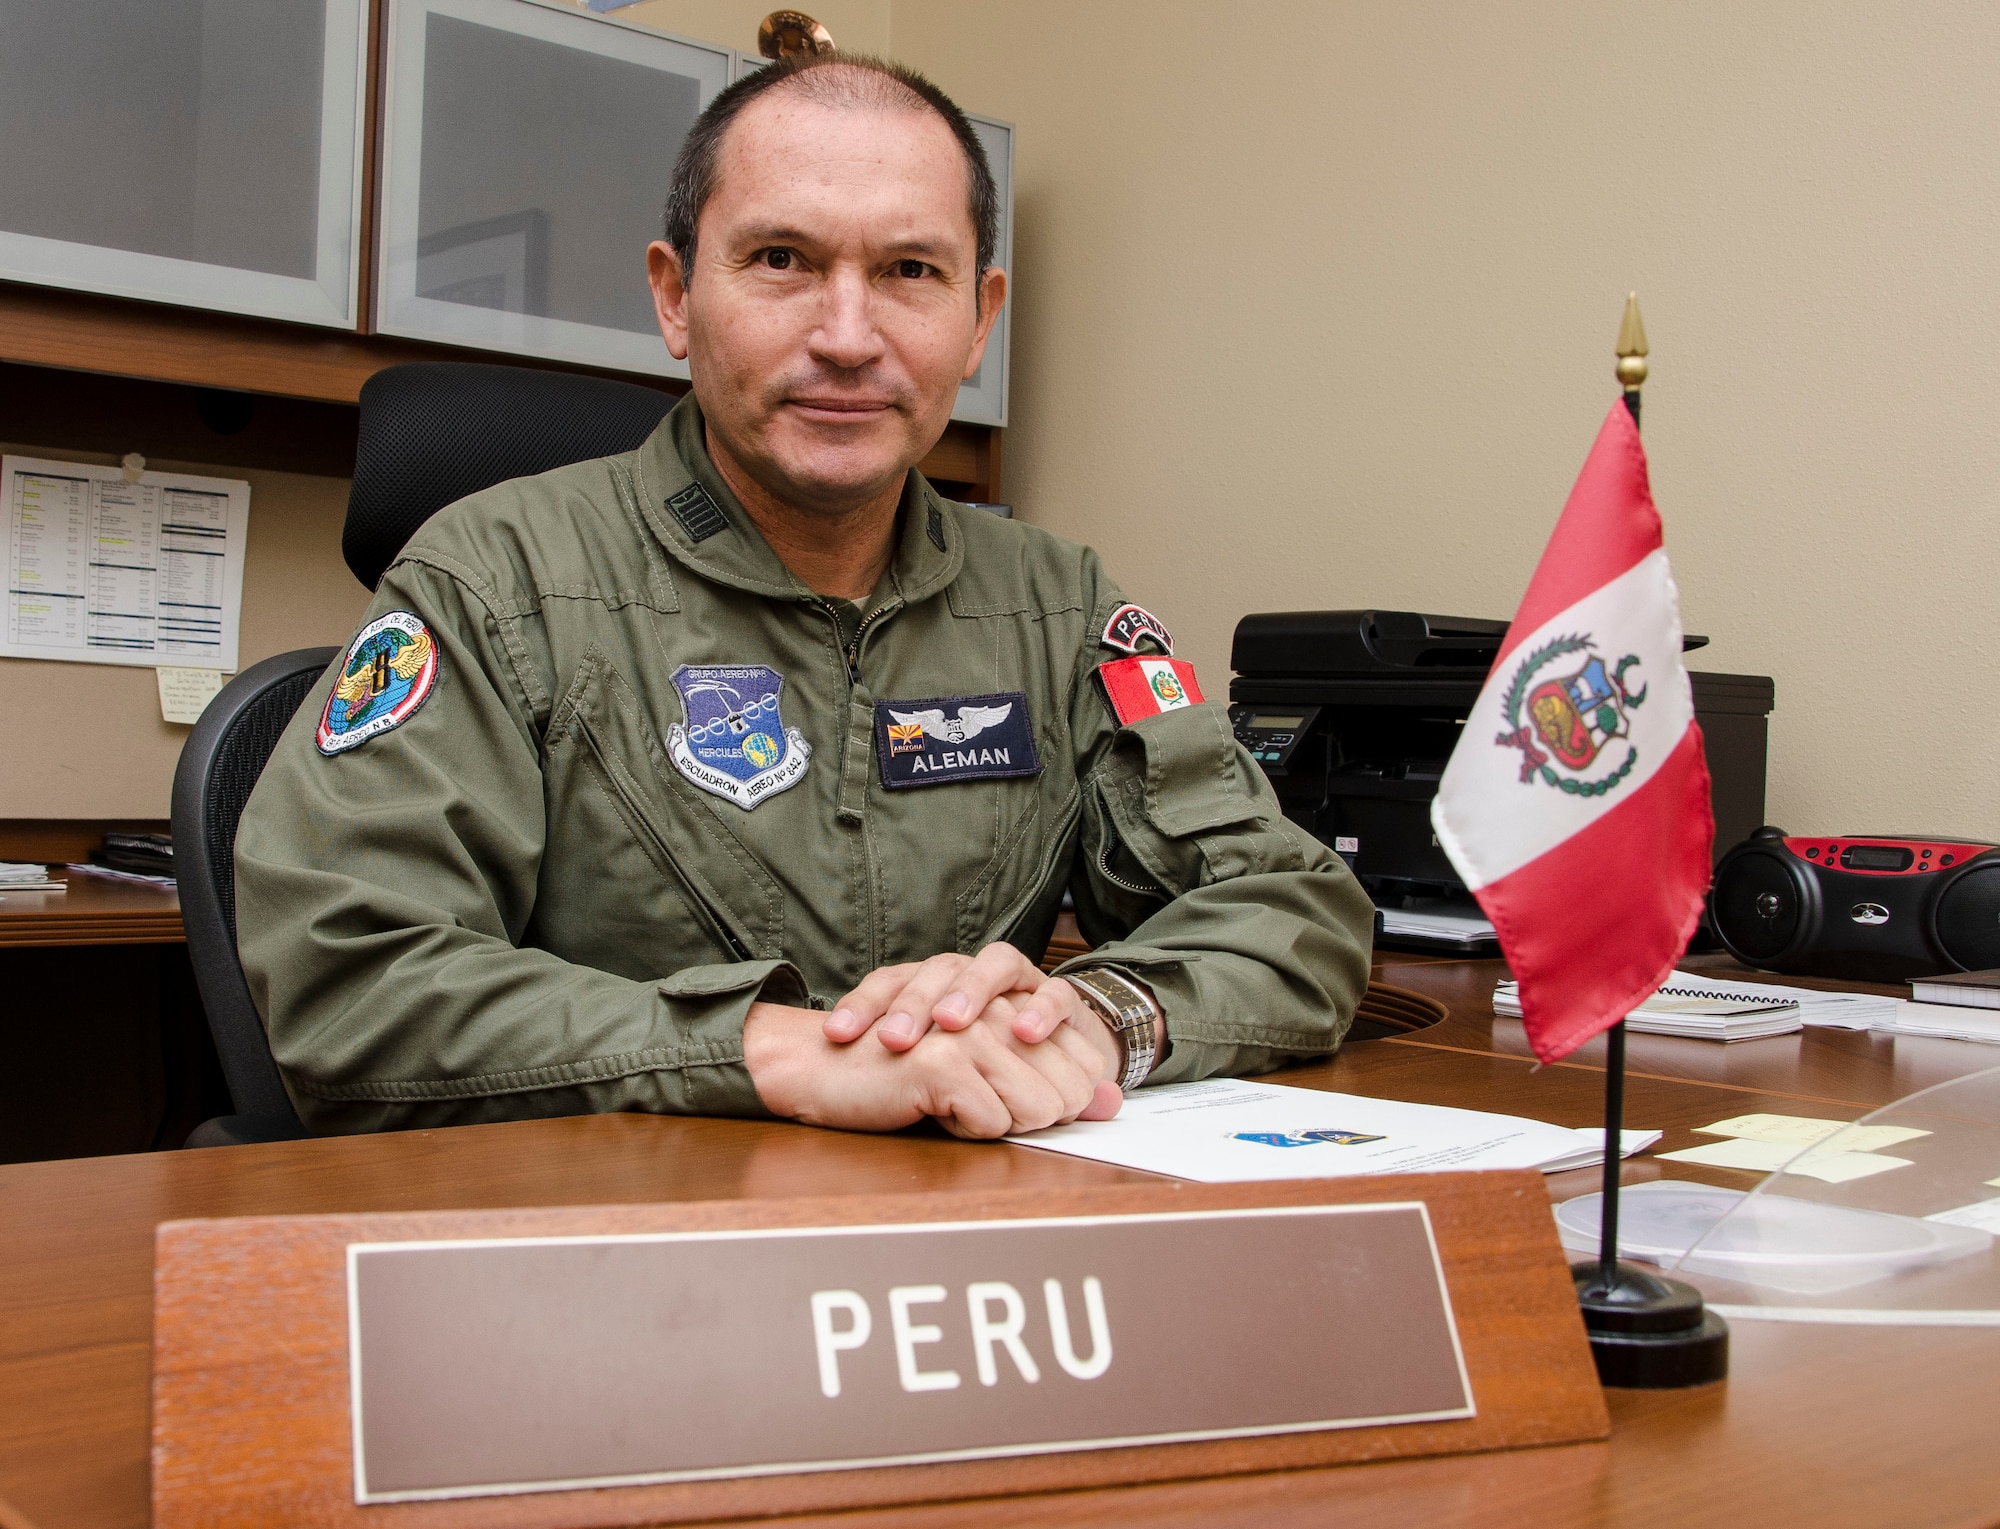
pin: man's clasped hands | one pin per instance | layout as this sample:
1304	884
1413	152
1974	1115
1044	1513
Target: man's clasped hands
987	1045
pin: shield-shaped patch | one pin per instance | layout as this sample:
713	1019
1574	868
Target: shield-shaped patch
734	744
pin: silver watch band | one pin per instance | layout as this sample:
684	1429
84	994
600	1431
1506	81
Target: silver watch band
1132	1015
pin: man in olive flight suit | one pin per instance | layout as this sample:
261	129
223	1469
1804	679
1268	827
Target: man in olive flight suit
744	774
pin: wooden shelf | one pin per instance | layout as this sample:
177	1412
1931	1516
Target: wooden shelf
79	332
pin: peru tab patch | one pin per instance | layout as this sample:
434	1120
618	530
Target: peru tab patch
1145	687
1131	625
952	738
385	674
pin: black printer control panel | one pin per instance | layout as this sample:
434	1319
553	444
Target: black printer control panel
1272	734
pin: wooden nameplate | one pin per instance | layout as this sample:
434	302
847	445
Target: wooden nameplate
491	1375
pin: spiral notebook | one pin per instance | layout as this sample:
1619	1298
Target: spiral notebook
1696	1008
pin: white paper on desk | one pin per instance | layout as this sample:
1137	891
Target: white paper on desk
1228	1130
104	570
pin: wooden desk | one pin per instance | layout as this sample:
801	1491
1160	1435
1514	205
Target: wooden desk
1823	1426
96	910
105	1043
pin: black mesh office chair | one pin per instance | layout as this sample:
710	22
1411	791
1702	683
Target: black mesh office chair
431	433
219	764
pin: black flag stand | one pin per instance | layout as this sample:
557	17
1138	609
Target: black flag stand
1646	1330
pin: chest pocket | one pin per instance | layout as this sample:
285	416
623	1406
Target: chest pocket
639	878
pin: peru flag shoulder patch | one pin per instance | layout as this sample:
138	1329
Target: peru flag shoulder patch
1145	687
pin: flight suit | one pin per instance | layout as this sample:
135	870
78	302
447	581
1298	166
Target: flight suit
606	773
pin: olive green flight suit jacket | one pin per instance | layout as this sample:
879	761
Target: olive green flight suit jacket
515	903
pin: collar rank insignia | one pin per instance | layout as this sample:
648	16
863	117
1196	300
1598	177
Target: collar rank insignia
952	738
1145	687
385	675
1131	625
734	744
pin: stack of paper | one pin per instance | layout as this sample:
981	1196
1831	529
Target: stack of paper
16	877
1744	1015
1946	1021
1226	1131
1441	921
1831	1150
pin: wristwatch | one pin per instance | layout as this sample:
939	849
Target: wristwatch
1132	1015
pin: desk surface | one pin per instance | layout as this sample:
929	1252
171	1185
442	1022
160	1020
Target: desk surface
1827	1426
96	910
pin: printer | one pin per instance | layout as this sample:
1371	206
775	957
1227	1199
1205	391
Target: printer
1352	715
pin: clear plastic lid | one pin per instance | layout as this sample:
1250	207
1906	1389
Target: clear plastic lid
1890	1220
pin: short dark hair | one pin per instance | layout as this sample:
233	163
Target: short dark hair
854	79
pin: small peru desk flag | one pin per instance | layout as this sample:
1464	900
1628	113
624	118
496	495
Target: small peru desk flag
1576	805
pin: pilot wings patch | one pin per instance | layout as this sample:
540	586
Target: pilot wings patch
940	741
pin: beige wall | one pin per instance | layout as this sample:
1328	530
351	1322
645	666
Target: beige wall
1316	310
86	740
1317	301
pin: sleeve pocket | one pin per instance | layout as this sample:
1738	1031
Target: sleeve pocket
1193	775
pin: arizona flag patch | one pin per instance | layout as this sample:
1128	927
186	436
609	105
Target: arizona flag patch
1145	687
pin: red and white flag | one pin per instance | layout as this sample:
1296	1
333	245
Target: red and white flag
1576	805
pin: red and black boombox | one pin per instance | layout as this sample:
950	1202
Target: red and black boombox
1873	909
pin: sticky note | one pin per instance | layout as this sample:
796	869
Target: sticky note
1982	1215
1804	1130
184	692
1839	1167
1770	1156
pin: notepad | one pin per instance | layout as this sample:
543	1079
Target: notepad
1701	1013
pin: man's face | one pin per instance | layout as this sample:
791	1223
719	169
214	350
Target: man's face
834	306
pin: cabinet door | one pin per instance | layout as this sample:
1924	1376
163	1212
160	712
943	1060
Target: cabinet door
527	150
205	152
982	399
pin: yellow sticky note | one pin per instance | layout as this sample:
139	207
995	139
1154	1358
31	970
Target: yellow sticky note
185	692
1805	1130
1839	1167
1756	1156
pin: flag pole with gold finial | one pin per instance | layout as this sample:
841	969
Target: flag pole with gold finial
1632	354
1646	1330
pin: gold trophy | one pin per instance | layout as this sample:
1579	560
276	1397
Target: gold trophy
784	34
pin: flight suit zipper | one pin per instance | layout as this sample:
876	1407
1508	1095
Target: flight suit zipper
856	753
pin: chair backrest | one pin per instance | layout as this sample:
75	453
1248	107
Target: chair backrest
219	765
434	431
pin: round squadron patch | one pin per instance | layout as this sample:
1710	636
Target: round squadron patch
385	674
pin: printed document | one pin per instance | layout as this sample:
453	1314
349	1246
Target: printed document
1229	1130
105	570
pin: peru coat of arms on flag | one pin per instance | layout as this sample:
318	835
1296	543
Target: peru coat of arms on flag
1576	804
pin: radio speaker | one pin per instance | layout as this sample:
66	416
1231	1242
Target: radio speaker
1968	917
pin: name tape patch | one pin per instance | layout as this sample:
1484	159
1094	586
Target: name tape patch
385	675
1131	625
1145	687
952	738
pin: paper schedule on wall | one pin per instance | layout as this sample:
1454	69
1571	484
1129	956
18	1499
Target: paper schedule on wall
102	569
